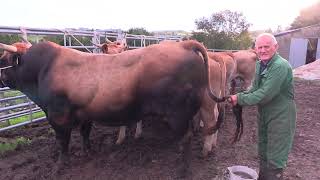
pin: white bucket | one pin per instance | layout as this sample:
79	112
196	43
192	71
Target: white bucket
241	173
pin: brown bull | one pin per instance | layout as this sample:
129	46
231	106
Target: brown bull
116	47
74	88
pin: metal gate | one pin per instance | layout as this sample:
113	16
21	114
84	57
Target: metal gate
298	52
318	50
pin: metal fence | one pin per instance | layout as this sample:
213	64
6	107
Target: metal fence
97	36
19	106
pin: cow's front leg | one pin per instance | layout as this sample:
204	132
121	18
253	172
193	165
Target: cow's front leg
63	139
85	130
138	130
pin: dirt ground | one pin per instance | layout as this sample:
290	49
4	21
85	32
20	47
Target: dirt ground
155	157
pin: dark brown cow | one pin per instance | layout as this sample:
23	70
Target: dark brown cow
75	88
116	47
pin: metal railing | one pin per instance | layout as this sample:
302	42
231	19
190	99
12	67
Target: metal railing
13	107
97	36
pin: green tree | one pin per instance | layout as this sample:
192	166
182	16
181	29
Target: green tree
308	16
139	31
54	38
223	30
9	38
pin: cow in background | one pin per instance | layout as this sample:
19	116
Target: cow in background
246	67
210	111
116	47
112	47
74	88
211	114
223	68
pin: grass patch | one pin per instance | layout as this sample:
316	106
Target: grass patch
13	144
24	118
11	93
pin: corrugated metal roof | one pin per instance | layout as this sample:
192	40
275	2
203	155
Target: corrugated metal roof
294	30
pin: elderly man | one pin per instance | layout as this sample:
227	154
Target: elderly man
273	93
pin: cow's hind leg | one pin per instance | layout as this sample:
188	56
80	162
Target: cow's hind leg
185	145
209	118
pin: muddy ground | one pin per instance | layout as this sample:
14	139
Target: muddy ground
155	157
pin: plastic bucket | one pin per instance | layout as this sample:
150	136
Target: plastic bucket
241	173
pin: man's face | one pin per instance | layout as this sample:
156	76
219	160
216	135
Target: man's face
265	48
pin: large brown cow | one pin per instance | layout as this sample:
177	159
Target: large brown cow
75	88
116	47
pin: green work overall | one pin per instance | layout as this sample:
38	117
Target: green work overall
273	93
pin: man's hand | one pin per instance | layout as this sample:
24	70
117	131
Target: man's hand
233	99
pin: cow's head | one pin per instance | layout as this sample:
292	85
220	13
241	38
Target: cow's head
115	47
10	59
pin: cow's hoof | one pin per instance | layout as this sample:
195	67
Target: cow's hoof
205	153
119	142
137	135
184	173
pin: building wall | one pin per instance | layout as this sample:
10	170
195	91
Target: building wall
284	46
285	39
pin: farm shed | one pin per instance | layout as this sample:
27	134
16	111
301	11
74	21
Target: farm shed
300	46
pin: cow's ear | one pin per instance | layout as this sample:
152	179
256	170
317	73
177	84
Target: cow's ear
104	48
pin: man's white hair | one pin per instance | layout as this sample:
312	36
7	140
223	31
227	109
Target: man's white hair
273	39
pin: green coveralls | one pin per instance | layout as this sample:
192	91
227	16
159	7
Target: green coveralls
273	92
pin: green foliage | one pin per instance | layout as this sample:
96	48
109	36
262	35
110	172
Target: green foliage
308	16
12	145
11	93
139	31
24	118
223	30
9	38
54	38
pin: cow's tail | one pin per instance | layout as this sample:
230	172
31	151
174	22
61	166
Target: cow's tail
199	48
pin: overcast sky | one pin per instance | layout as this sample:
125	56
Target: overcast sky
149	14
